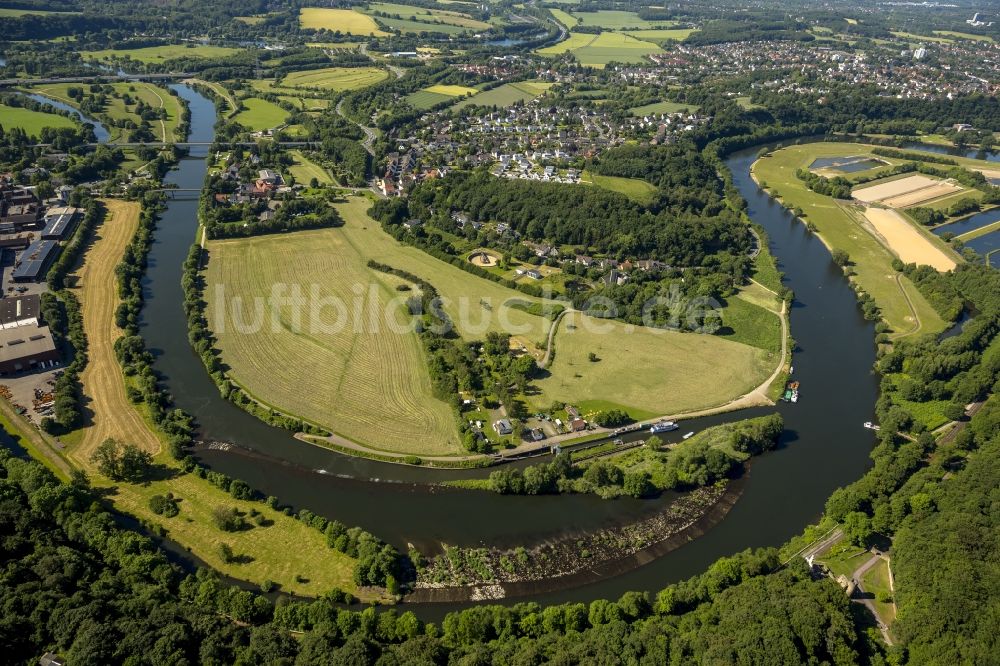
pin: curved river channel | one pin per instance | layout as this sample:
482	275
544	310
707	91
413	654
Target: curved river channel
824	445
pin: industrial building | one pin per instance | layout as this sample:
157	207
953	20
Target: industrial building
26	348
59	222
35	261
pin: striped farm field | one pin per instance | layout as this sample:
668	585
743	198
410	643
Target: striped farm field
362	381
507	94
336	78
598	50
431	96
346	21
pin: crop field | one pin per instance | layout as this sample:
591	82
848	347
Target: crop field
30	121
906	241
663	107
905	192
428	15
567	19
660	35
363	380
663	372
611	19
842	228
304	170
259	114
451	90
346	21
336	78
156	54
507	94
598	50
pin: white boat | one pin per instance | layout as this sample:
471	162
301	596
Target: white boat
795	397
871	426
663	426
690	434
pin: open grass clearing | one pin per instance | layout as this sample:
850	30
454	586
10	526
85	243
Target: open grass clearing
841	228
32	122
907	242
664	107
634	188
661	35
11	12
259	114
345	21
875	581
910	37
304	170
158	54
336	78
964	35
424	99
565	18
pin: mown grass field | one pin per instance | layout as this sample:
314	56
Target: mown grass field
598	50
964	35
662	372
565	18
363	381
428	15
259	114
612	19
633	188
663	107
430	96
346	21
156	54
30	121
506	95
281	551
336	78
839	228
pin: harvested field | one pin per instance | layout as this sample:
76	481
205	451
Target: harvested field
336	78
903	192
111	413
906	241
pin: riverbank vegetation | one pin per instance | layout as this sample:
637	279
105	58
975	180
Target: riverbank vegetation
709	456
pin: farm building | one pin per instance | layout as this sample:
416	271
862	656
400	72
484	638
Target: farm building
34	261
503	427
26	348
576	425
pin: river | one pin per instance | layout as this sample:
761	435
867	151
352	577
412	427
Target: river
824	445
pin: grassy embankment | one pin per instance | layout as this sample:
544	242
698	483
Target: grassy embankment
375	386
840	227
286	551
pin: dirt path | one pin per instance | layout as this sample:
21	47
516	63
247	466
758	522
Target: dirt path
110	412
552	334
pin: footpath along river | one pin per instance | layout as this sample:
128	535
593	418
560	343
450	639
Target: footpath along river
823	447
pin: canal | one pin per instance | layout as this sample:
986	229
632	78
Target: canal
824	445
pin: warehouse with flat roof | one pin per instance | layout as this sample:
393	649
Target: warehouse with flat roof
35	261
59	222
26	348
